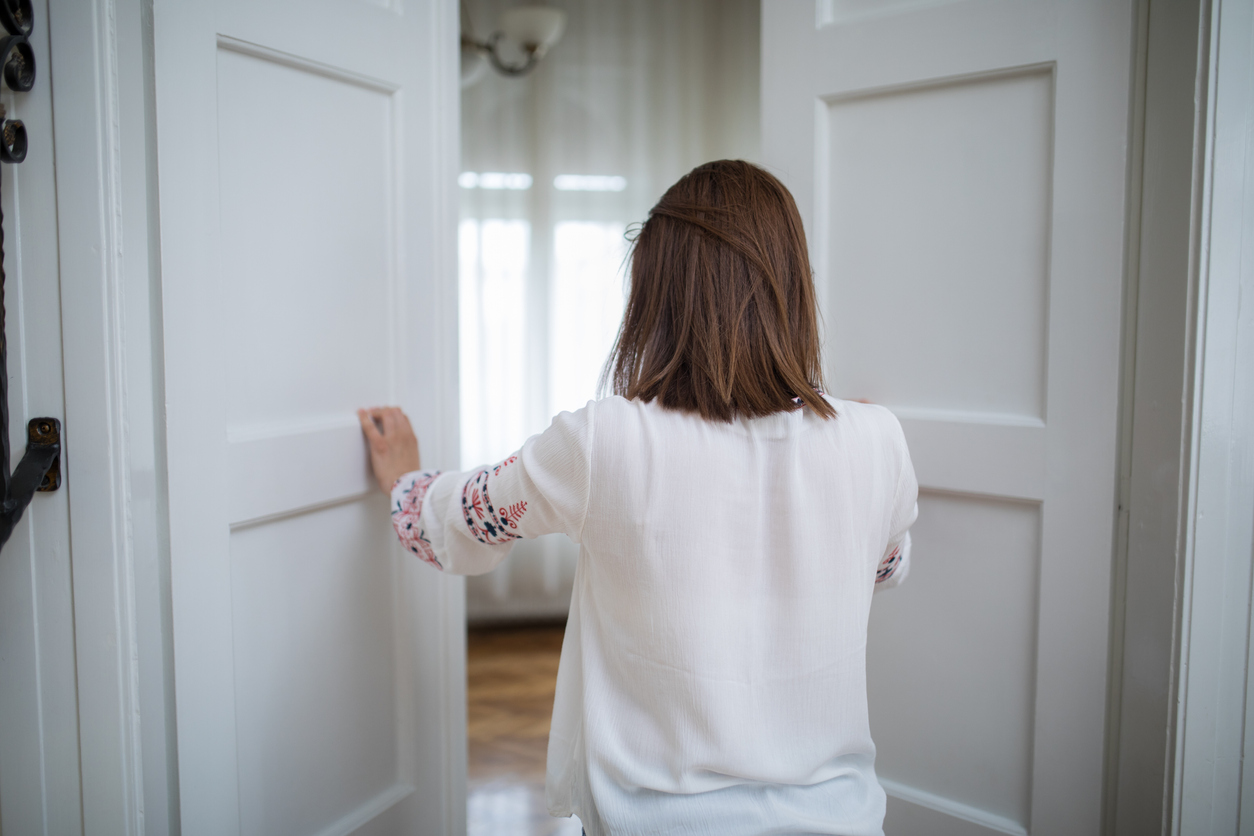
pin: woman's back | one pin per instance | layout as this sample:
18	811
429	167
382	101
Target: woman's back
714	664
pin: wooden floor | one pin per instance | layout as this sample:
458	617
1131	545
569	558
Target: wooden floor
511	675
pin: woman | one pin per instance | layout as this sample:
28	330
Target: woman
733	524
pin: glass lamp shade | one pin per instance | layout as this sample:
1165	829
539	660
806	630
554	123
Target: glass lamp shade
536	28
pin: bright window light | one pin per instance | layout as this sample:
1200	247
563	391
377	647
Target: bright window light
493	269
586	298
494	180
589	183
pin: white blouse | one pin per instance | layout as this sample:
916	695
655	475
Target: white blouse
713	674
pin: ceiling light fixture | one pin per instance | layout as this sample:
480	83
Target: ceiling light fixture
532	30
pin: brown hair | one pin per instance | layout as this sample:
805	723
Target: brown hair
721	317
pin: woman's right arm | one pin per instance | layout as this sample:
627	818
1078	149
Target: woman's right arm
467	522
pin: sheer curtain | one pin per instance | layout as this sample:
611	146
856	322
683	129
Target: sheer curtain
556	166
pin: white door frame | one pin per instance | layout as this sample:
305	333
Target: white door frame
101	63
1210	792
1181	616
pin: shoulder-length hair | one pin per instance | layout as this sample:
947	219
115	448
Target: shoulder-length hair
721	318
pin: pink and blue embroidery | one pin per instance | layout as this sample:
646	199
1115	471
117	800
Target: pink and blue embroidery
487	523
888	566
406	513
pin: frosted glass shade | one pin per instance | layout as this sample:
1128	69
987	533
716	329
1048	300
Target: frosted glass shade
537	28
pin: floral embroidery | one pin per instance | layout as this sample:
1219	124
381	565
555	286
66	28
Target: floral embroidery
489	524
514	513
406	513
888	566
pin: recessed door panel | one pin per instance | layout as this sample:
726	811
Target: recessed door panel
937	243
315	617
307	175
952	704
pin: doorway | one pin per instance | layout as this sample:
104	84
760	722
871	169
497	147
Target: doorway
559	166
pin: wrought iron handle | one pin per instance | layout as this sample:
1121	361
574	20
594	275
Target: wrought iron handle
17	17
40	467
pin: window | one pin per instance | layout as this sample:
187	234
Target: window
492	257
586	303
499	370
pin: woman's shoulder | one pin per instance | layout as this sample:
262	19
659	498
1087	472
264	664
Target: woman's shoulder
600	410
600	418
866	418
617	421
616	407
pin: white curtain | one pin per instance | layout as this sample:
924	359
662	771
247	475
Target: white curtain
556	168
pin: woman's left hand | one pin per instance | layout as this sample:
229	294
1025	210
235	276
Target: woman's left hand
393	445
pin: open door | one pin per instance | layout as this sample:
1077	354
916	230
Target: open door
307	156
961	170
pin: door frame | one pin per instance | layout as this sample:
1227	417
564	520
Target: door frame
1182	604
110	297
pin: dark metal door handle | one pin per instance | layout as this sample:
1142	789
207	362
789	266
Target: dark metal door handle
40	467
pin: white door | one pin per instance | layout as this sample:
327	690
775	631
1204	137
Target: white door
960	167
40	788
307	157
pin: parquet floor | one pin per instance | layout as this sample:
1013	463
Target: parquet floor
511	676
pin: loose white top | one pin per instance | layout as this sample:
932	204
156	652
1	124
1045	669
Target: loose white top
713	674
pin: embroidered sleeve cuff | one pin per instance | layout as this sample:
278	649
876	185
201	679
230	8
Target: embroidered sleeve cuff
894	568
489	523
888	566
407	498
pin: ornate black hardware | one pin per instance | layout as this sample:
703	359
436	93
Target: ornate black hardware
17	17
18	60
40	467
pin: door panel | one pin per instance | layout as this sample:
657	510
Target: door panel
316	684
937	201
319	673
960	169
307	169
970	740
